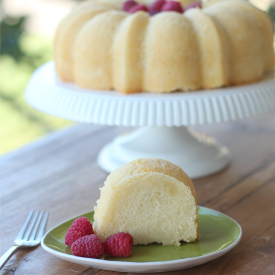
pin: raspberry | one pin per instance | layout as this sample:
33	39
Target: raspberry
137	8
129	4
156	6
88	246
172	6
119	245
80	227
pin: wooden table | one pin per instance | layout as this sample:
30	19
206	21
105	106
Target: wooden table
59	173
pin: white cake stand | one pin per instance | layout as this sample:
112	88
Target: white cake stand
164	118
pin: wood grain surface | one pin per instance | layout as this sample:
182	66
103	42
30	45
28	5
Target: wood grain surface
59	173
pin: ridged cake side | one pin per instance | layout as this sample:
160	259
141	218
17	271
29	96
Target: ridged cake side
152	199
66	36
93	55
98	46
248	32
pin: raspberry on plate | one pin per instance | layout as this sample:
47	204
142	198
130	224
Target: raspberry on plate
80	227
119	245
88	246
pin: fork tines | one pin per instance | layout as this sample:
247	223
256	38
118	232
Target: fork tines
31	226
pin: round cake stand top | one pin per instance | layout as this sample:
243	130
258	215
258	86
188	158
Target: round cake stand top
48	94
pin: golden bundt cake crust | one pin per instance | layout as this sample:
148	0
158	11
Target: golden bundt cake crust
99	46
145	165
152	199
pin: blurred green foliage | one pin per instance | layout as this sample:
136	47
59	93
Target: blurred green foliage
21	54
271	12
11	30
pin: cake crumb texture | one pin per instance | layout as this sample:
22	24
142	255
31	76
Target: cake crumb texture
151	199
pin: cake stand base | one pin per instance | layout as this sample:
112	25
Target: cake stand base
197	154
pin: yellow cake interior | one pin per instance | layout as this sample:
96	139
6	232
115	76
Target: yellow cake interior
152	199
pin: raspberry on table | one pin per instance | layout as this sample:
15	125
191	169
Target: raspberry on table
80	227
119	245
88	246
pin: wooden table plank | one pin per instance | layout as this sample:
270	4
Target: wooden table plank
59	173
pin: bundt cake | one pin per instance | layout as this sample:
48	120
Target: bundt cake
101	46
152	199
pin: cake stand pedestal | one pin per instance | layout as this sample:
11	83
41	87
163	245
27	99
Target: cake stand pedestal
197	154
164	118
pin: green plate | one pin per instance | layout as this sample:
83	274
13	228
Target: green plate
219	234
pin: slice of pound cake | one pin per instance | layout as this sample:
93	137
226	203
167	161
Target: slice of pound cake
152	199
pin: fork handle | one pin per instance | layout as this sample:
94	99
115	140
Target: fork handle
7	255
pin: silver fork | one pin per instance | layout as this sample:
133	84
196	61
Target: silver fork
27	238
